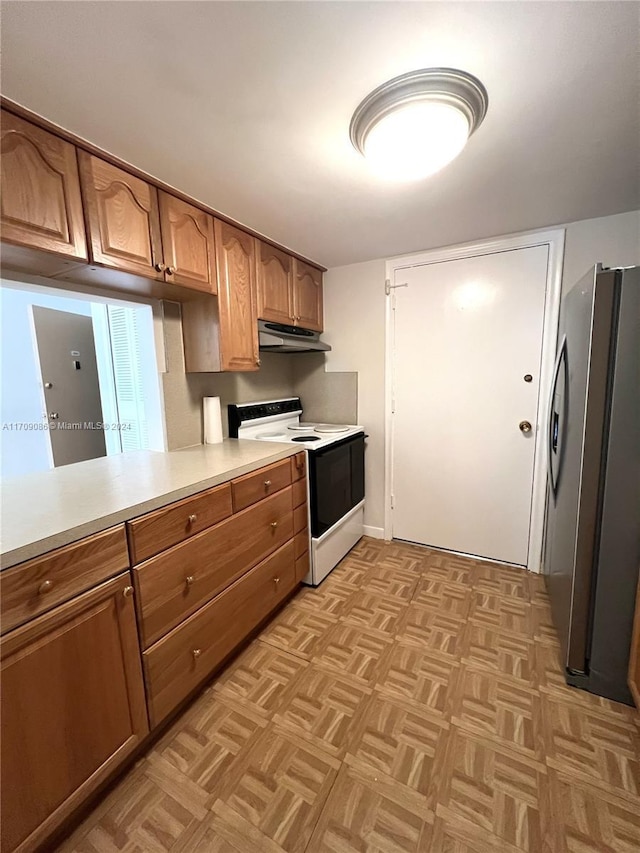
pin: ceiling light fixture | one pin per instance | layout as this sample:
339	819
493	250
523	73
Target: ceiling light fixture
413	125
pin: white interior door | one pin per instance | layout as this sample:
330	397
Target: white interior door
466	334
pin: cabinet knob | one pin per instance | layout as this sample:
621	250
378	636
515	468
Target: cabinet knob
160	267
192	518
276	581
45	586
274	524
196	653
171	270
257	362
300	463
267	483
189	580
127	591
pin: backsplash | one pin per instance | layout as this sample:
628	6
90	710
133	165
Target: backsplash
325	396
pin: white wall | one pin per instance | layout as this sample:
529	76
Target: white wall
354	308
355	319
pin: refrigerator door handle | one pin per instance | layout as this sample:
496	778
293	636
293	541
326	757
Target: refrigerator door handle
552	424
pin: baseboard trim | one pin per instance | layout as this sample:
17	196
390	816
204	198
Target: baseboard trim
374	532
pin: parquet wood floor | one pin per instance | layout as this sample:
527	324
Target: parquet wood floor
414	703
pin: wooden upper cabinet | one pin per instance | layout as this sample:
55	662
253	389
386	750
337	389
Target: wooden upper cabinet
307	296
187	243
41	204
275	284
73	708
122	218
236	269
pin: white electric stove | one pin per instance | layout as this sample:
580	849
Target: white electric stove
335	455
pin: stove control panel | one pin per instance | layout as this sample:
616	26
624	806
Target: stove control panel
239	413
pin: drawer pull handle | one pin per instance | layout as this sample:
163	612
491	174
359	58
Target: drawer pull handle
274	524
276	581
45	586
190	579
193	518
196	653
267	483
127	591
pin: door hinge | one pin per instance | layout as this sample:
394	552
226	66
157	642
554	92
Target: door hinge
393	503
388	287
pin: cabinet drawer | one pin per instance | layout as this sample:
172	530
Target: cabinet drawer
172	524
299	518
298	466
179	581
38	585
189	654
253	487
299	492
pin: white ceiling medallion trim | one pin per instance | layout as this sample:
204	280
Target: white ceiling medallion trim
413	125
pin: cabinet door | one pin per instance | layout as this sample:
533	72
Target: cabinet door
72	708
236	268
187	243
275	284
634	658
41	204
122	217
307	296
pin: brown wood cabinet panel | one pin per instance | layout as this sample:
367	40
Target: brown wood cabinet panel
275	284
31	588
259	484
302	567
188	655
122	218
634	659
300	492
236	271
302	543
187	244
307	296
300	518
156	531
41	204
298	466
73	708
179	581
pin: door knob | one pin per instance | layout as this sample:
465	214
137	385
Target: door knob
524	426
48	384
54	416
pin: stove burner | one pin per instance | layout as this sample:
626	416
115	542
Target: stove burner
301	427
331	428
306	438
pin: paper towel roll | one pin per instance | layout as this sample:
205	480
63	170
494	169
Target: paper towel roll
212	420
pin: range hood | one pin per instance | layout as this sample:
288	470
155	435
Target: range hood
275	337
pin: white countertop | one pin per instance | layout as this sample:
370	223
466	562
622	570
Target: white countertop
43	511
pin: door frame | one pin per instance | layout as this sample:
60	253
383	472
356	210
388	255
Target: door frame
554	240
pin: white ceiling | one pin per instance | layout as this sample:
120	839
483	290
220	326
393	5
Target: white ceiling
246	106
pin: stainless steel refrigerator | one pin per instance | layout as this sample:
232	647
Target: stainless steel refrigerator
592	544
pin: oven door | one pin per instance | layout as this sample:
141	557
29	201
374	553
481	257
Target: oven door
336	482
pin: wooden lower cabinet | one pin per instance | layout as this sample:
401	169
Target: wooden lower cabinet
175	583
188	655
73	708
634	659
